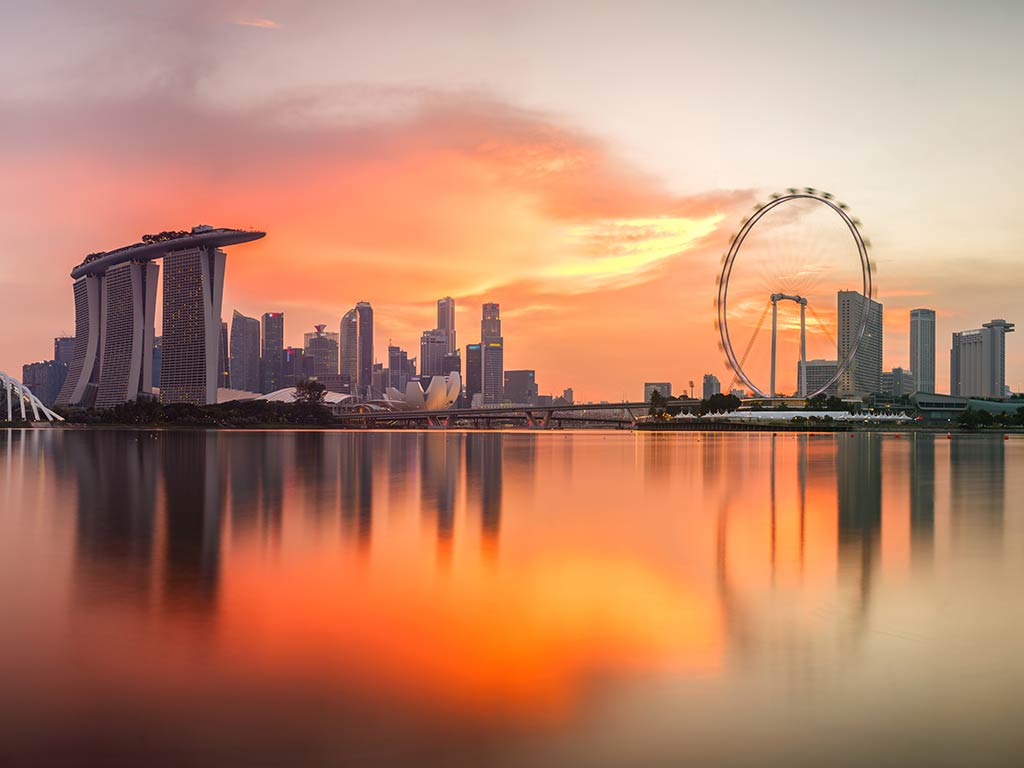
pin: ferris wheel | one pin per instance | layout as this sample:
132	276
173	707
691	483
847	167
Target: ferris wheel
780	257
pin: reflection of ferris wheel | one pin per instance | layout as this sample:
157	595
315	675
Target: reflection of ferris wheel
779	203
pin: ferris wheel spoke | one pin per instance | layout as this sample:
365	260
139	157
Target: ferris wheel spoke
824	328
750	344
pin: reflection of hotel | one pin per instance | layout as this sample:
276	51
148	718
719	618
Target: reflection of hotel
115	298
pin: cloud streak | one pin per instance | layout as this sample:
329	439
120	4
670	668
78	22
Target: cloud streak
258	23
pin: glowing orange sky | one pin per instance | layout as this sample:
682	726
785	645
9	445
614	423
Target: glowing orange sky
585	254
587	177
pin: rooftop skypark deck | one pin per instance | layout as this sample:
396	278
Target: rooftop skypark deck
155	246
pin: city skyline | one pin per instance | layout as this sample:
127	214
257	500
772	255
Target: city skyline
116	356
256	348
507	186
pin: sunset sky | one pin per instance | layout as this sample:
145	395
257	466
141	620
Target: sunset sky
582	163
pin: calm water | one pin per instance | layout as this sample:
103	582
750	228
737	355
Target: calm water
590	599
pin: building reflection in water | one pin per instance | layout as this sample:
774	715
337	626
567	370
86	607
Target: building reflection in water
977	493
245	460
275	456
317	473
772	559
485	461
151	506
355	459
440	471
115	479
922	498
859	497
193	465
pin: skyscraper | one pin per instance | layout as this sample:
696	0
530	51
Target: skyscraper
446	321
365	313
977	361
474	373
864	375
321	352
224	372
897	382
193	293
380	381
158	359
490	324
64	349
452	363
493	348
80	384
712	386
400	368
128	306
271	357
357	347
521	387
293	366
816	374
44	379
63	354
115	297
663	388
349	336
245	353
433	349
922	349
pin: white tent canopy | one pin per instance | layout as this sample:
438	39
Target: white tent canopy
18	392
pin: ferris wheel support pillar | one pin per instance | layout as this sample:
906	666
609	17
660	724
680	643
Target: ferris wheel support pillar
802	383
775	327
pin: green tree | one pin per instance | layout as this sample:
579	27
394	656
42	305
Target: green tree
310	392
719	403
972	419
657	404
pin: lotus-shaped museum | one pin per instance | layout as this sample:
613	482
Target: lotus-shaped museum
441	393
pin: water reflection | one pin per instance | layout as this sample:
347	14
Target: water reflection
580	574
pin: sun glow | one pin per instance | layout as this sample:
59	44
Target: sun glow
625	247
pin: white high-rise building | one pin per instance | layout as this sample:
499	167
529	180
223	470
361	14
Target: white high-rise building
922	349
446	321
977	361
897	382
663	388
864	374
816	374
712	386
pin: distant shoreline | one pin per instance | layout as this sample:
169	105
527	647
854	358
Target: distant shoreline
653	428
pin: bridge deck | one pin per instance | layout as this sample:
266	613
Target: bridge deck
576	413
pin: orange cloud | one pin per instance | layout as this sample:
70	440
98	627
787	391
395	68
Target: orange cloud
431	196
260	23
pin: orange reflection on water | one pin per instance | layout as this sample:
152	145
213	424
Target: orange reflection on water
527	642
505	583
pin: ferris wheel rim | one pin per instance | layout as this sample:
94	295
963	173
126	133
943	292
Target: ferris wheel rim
867	288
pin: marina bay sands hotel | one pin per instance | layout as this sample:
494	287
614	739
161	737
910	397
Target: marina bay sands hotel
115	298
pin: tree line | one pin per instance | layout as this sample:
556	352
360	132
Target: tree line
308	409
